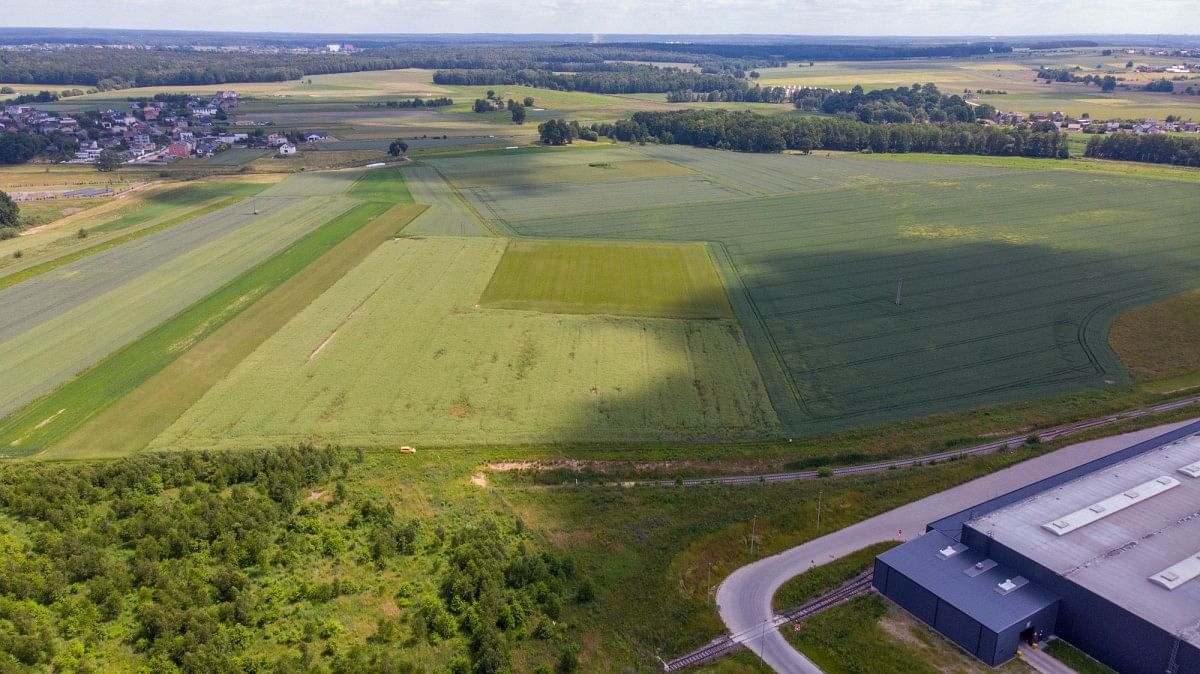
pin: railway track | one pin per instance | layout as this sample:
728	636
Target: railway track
726	644
1043	435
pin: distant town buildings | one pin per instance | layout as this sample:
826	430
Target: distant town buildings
166	128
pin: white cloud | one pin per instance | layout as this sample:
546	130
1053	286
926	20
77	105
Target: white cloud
806	17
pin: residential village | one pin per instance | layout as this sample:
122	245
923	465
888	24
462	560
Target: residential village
155	131
170	127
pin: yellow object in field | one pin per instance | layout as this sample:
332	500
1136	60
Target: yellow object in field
408	450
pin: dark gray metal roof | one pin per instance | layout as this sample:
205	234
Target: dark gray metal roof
957	580
1117	552
951	525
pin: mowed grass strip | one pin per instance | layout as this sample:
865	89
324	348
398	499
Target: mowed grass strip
55	263
134	420
620	279
53	417
1160	340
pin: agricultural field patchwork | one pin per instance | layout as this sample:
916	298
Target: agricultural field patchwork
1008	287
664	280
397	353
65	320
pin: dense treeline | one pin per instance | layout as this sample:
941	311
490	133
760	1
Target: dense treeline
18	147
918	103
613	79
121	68
754	94
1157	148
223	562
825	52
750	132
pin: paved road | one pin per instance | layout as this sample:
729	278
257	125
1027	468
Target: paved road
744	599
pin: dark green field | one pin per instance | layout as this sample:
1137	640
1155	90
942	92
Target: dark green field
1011	278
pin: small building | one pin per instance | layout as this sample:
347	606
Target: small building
287	149
178	150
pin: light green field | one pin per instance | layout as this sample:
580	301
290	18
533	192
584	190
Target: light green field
397	353
56	349
139	416
669	281
447	214
113	222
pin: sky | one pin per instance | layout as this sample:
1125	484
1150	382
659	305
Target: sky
800	17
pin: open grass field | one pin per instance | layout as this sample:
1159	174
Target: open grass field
868	634
819	273
664	280
235	157
1160	341
430	368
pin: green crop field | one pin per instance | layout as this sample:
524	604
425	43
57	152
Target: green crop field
397	353
447	214
671	281
1010	278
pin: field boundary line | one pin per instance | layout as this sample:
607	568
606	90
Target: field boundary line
503	232
725	264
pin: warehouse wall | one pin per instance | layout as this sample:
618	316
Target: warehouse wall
1096	625
952	623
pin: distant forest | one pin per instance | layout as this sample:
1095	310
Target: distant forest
746	131
616	78
120	68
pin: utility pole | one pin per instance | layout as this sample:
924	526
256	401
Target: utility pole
753	530
819	511
899	289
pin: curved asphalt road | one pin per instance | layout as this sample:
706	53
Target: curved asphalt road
744	599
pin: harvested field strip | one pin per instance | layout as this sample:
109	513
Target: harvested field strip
164	203
30	272
139	416
118	373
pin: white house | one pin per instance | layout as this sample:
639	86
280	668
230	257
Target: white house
287	149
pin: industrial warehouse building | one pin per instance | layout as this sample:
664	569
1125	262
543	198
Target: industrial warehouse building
1105	556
